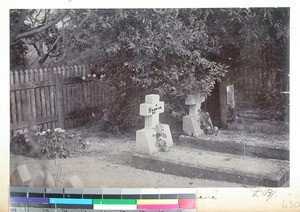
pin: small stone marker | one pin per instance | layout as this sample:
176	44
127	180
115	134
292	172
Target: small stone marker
23	175
226	93
73	182
145	138
230	96
191	124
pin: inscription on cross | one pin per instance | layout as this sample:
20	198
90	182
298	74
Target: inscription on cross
151	110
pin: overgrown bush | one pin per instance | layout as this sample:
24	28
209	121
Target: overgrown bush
57	143
273	105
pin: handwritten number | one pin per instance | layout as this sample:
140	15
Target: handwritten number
290	204
297	204
283	204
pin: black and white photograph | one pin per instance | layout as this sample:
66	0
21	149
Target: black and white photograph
149	97
159	97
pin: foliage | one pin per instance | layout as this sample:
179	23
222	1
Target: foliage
42	34
206	125
255	44
231	115
272	104
57	143
160	137
150	51
170	51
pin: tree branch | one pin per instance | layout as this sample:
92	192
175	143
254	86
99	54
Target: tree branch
53	45
36	48
18	27
47	54
40	29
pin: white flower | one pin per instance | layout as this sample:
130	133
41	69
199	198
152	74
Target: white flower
83	77
57	130
94	75
48	130
38	133
93	114
25	130
43	133
89	75
216	128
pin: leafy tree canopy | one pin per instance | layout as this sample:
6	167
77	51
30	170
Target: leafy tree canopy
175	51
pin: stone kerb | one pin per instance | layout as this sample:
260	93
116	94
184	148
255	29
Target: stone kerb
191	124
145	138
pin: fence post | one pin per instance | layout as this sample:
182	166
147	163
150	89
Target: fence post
59	100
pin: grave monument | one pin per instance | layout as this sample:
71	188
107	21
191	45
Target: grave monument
146	138
191	122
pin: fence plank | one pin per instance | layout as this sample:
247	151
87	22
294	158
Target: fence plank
38	121
59	100
18	99
32	95
37	94
69	95
95	95
81	97
52	101
72	99
47	96
65	102
23	96
42	89
27	101
13	101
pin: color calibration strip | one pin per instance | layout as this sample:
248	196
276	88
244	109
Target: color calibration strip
101	199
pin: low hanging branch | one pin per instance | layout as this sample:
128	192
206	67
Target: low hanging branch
40	29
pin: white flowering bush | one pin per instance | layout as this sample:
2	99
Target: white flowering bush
56	143
89	77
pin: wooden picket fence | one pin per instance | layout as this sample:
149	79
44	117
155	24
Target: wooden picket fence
55	97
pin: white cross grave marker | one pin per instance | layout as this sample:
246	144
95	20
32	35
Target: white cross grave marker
145	138
151	110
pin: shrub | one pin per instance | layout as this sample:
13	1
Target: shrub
57	143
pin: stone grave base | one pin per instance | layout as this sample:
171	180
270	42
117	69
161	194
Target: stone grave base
259	127
273	150
187	162
146	139
191	125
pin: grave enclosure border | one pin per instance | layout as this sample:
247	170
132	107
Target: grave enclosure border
55	97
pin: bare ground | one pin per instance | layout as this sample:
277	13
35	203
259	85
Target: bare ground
96	166
101	164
